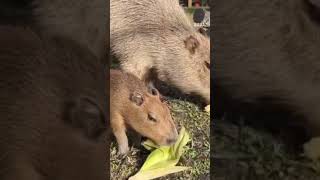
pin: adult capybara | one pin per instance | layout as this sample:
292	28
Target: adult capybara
52	108
267	58
157	35
134	105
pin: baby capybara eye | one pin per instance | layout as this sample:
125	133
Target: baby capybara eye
151	118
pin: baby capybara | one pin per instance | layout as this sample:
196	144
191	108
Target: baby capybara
157	35
135	105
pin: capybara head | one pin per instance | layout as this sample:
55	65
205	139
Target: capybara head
188	65
198	48
151	117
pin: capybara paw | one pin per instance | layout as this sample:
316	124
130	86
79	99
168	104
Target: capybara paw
312	148
123	149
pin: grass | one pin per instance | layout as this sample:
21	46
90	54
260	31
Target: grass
255	154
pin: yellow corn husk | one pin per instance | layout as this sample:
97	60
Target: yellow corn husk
163	159
207	109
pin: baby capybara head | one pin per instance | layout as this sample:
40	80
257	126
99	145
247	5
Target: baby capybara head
151	117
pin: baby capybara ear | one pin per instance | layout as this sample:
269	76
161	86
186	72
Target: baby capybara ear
152	90
137	98
191	44
86	115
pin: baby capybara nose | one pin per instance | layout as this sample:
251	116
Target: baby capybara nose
171	141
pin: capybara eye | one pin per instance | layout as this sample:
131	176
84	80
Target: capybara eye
151	118
207	64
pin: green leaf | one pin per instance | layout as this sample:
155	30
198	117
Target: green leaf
162	160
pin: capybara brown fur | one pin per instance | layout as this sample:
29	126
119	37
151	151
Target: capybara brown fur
53	108
137	106
267	58
158	35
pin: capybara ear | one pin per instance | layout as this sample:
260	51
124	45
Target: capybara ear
191	44
152	90
87	115
137	98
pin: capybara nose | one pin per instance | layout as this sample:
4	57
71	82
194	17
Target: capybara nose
171	141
